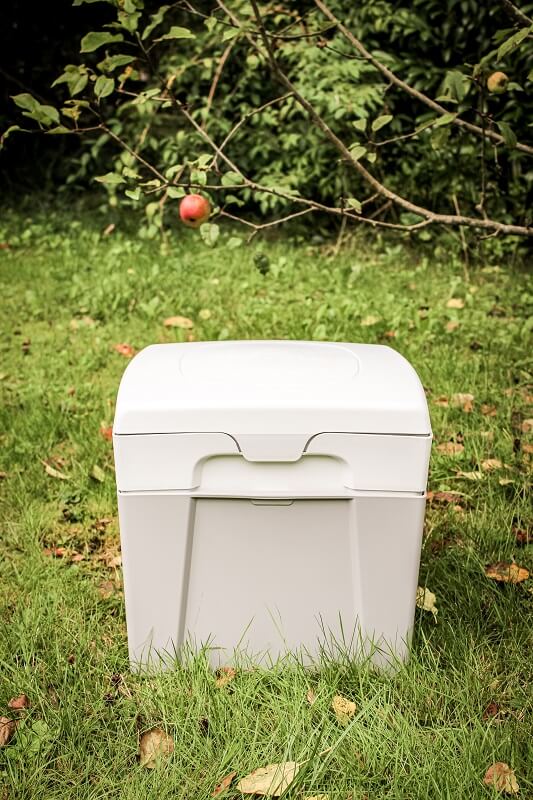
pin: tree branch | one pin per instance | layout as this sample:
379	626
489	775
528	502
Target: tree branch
393	78
516	14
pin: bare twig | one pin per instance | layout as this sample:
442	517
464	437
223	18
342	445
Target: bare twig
516	14
463	240
218	72
393	78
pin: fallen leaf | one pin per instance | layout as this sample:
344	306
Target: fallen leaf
474	475
464	401
98	474
492	710
527	448
271	780
178	322
444	498
523	537
108	229
441	401
3	475
204	313
101	524
125	350
18	703
450	448
390	335
426	601
455	302
491	463
505	481
224	784
56	552
506	572
106	589
154	745
53	472
502	778
111	557
311	696
488	410
77	557
224	676
106	432
7	729
452	326
527	425
370	320
344	709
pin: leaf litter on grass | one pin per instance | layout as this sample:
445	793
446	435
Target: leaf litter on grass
501	777
271	780
154	746
506	572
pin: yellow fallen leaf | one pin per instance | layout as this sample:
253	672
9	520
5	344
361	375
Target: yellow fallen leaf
527	426
153	746
463	400
178	322
506	572
370	320
488	410
53	472
426	601
271	780
455	302
502	778
470	476
224	676
505	481
491	463
450	448
311	696
452	326
344	709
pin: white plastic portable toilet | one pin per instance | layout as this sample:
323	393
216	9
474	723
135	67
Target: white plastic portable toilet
271	499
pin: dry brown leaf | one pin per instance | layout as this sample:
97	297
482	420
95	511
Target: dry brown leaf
53	472
106	589
390	334
450	448
442	400
125	350
178	322
452	326
470	476
271	780
224	676
455	302
18	703
522	536
426	601
527	448
224	784
3	475
106	432
7	729
463	400
491	711
311	696
318	797
344	709
491	463
506	572
488	410
445	498
500	776
527	425
154	745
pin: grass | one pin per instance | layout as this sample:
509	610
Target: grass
68	295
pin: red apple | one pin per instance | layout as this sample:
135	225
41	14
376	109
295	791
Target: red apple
194	210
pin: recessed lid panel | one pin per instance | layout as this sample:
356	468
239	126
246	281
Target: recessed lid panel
270	387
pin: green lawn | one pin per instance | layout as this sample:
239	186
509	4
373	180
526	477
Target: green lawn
69	294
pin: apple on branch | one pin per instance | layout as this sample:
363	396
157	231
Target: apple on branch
194	210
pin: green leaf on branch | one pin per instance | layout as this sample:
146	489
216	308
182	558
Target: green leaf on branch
156	20
234	242
75	77
231	179
112	62
380	122
352	202
508	135
454	87
129	20
513	42
360	124
357	151
59	129
175	192
209	232
25	101
95	39
176	33
8	132
133	194
44	115
110	179
104	86
446	119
